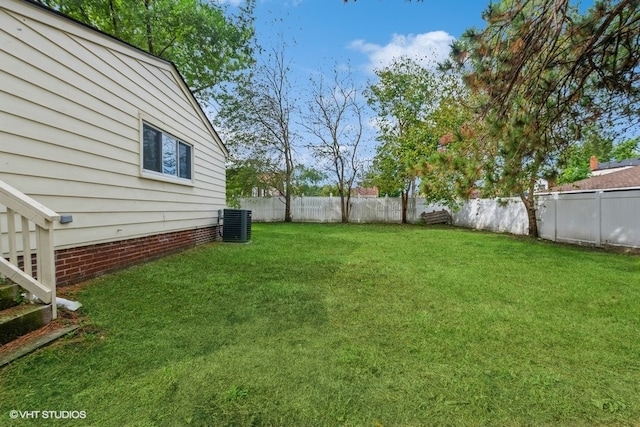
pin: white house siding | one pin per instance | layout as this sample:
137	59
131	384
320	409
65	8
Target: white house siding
71	104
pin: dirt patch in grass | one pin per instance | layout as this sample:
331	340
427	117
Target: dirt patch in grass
65	319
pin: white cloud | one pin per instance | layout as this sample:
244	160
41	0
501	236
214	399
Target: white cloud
427	48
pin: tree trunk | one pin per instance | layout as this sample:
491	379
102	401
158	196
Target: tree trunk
533	221
529	204
114	20
147	6
345	207
405	204
287	207
289	166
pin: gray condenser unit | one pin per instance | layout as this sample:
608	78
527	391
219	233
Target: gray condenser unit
236	225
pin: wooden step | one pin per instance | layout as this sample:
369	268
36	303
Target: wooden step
8	294
34	340
22	319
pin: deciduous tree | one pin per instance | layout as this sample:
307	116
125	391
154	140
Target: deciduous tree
449	175
247	177
257	120
334	118
307	181
208	45
574	163
404	98
628	149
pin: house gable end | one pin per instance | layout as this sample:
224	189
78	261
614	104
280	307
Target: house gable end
118	52
73	106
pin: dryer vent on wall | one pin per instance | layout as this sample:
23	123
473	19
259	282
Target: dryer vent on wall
236	225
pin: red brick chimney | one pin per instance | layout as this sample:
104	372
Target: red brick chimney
593	163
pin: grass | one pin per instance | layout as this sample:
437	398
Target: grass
360	325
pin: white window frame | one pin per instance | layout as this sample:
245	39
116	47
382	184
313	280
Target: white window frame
161	174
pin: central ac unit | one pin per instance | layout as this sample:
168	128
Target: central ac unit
236	225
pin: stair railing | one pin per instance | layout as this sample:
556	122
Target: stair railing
42	285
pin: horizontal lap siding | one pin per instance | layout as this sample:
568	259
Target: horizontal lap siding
70	106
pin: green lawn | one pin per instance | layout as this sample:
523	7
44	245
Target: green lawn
360	325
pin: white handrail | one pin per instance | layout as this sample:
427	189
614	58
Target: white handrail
43	286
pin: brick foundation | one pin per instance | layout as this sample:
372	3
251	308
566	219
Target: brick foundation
74	265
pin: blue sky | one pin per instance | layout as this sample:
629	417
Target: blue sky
365	33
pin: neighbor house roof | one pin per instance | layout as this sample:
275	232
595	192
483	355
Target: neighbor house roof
612	166
621	179
363	191
618	164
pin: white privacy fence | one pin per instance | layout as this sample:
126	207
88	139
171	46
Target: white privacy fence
506	215
600	218
605	217
327	209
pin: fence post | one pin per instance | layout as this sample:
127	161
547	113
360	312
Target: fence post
598	218
413	204
386	208
555	217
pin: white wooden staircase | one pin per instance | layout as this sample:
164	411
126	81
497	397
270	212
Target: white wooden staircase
27	264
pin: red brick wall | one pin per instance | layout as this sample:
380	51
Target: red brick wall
74	265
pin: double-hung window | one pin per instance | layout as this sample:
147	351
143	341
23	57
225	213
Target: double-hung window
165	154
